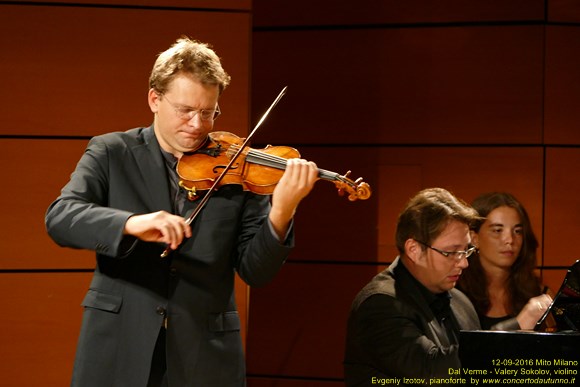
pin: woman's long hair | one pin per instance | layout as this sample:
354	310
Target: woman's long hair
523	282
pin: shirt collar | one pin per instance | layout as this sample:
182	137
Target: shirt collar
438	303
170	160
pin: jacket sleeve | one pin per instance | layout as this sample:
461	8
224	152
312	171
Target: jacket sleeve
79	217
260	255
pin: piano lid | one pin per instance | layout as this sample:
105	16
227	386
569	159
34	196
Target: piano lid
565	307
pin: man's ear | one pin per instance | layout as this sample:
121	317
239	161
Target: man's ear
413	249
474	238
153	99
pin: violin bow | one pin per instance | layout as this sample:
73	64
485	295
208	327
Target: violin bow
207	196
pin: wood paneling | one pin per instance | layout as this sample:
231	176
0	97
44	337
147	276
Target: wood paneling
563	11
189	4
83	71
329	227
553	279
562	206
412	85
40	329
298	322
330	12
464	95
34	172
466	172
364	79
562	95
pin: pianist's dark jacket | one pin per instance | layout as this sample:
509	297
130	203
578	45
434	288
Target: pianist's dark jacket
397	328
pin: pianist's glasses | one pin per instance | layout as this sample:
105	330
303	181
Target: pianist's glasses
457	255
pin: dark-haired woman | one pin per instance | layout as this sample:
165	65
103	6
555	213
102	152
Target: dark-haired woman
501	281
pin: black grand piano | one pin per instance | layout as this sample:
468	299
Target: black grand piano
545	356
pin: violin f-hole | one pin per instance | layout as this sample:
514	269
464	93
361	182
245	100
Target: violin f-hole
215	168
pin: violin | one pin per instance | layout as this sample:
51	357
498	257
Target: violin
225	159
256	170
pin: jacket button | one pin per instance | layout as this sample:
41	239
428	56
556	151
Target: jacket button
161	310
173	271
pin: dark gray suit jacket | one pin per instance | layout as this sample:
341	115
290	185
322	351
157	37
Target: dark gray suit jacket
393	333
133	289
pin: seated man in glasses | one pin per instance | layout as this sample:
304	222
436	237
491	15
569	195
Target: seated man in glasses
404	324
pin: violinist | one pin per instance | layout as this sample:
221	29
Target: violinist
150	320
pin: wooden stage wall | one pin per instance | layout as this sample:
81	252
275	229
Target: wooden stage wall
468	95
472	96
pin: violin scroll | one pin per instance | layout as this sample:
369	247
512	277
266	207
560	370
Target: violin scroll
357	189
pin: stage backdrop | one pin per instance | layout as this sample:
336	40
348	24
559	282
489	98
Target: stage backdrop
471	96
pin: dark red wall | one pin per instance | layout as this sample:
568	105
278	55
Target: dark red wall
472	96
468	95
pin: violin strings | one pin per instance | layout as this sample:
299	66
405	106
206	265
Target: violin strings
278	162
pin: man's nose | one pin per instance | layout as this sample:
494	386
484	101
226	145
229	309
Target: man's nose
195	121
463	263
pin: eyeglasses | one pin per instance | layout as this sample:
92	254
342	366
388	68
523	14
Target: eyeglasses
187	113
458	255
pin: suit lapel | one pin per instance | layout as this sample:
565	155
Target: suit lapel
437	332
152	169
460	311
